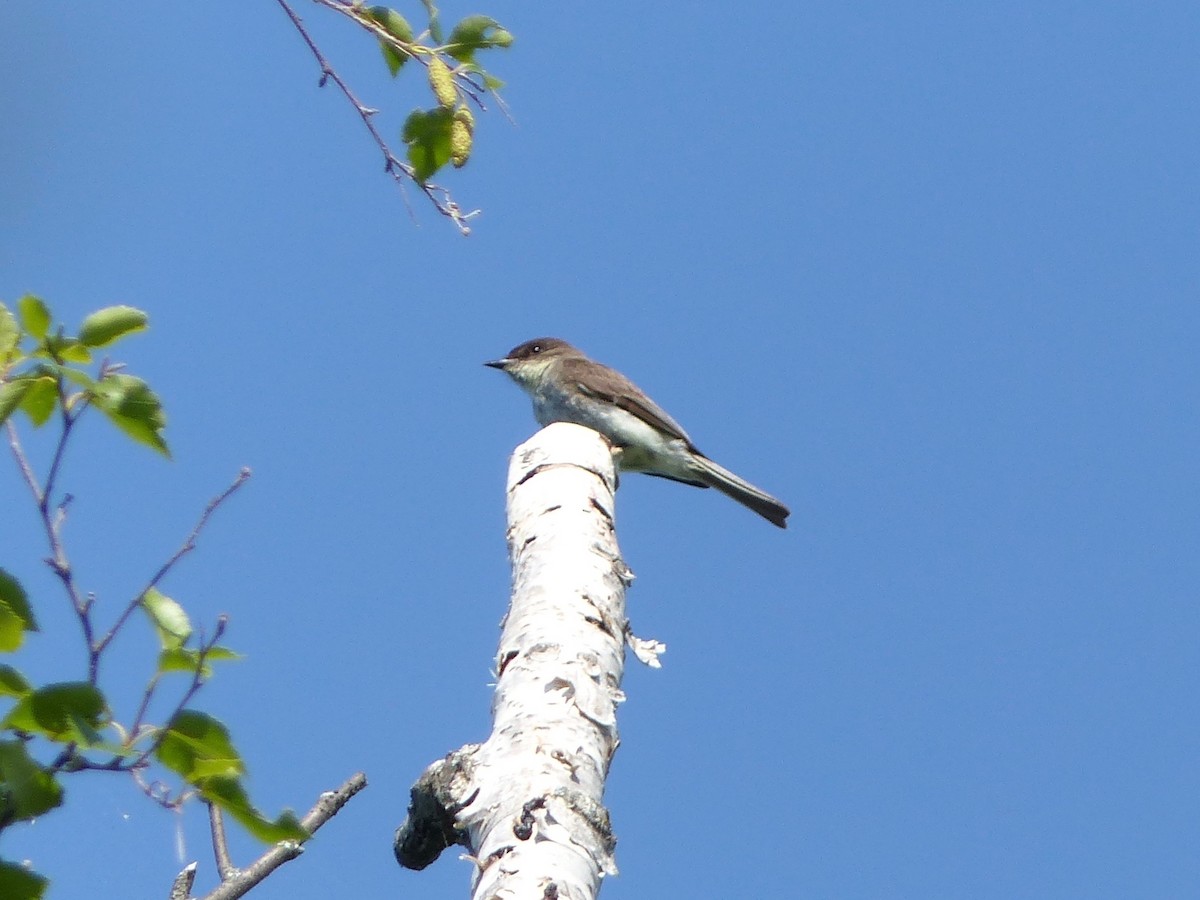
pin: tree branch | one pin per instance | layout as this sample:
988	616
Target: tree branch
216	823
327	806
182	887
52	523
528	802
401	172
196	683
185	548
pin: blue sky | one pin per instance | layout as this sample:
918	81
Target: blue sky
927	272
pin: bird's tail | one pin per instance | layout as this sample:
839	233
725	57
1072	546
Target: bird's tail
742	491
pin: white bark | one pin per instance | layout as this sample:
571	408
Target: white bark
527	803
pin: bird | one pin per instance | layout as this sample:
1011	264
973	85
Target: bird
566	386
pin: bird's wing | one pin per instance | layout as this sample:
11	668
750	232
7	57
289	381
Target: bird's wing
621	392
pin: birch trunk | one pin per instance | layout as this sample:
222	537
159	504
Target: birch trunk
528	803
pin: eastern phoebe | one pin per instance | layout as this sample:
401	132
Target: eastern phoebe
566	386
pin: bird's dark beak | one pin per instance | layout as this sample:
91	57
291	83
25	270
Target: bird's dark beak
498	363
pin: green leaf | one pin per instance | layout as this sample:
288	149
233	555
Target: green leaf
229	794
394	58
16	615
134	408
197	746
392	22
169	618
68	349
12	635
476	33
12	630
107	325
11	395
82	379
13	683
67	711
179	659
14	595
41	398
222	654
29	790
20	883
184	659
35	316
10	334
427	133
435	23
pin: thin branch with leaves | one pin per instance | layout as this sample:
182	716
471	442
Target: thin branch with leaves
44	376
437	136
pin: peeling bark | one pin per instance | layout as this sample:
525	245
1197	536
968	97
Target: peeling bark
528	802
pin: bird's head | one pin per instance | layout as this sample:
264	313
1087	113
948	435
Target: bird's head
527	363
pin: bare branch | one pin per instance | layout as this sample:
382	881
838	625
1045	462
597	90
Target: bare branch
216	822
52	522
69	418
187	547
327	806
181	889
160	792
147	696
23	463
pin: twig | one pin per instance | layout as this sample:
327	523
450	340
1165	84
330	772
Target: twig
147	696
159	792
69	418
69	758
52	524
196	683
23	463
325	809
187	547
216	822
400	171
182	888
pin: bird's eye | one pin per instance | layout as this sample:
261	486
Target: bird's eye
536	348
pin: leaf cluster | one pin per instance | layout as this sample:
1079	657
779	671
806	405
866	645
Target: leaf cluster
51	731
445	132
42	368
